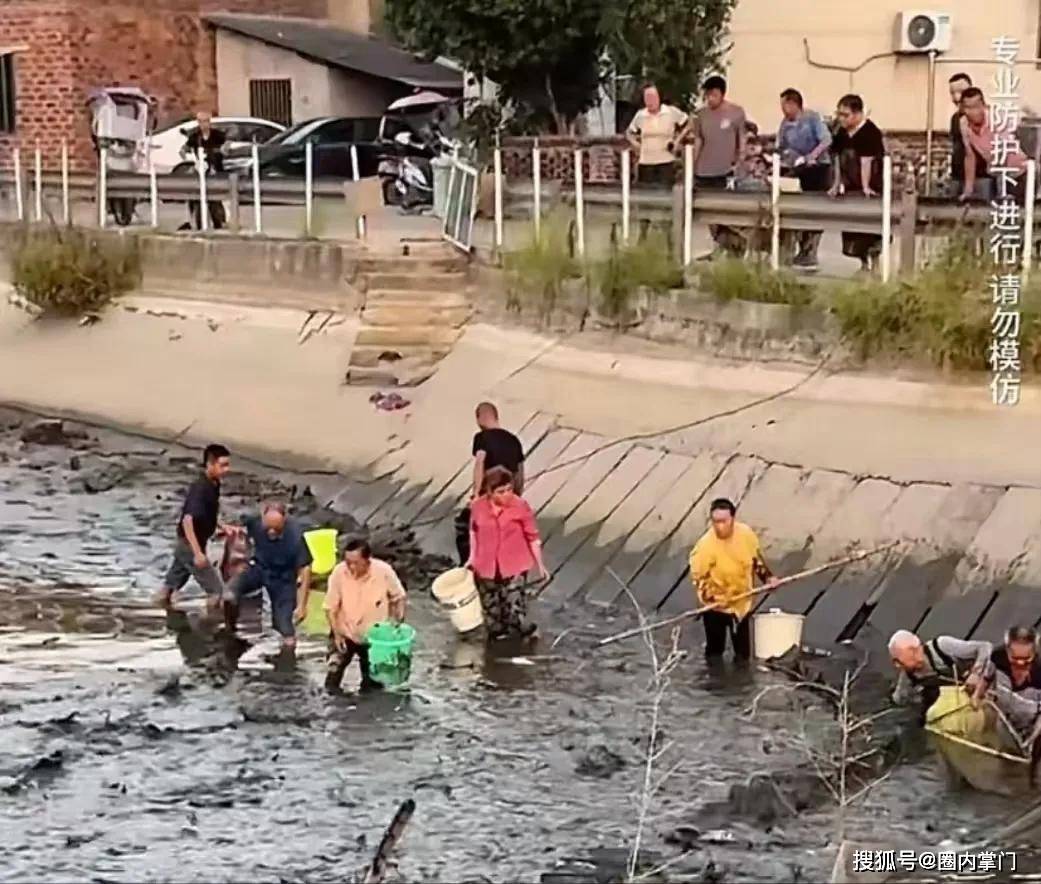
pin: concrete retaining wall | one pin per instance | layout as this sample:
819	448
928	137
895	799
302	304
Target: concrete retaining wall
970	563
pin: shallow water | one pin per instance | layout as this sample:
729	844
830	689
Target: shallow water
127	753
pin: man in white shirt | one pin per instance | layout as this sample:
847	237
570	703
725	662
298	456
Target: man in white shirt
654	132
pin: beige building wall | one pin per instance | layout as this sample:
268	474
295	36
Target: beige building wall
356	95
360	16
781	43
240	59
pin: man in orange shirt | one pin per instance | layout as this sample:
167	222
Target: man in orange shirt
362	591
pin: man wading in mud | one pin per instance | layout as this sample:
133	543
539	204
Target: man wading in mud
196	525
722	565
281	565
492	447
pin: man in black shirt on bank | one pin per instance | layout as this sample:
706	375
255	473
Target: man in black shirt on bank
958	84
492	447
210	143
198	522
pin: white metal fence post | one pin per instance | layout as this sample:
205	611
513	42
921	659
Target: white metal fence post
536	183
308	188
497	168
38	182
19	199
1028	220
887	217
688	204
66	208
775	212
258	221
204	205
103	187
359	222
626	173
580	207
153	187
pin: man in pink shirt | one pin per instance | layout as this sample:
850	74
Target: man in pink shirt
504	545
988	154
362	591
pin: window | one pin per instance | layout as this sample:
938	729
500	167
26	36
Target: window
335	132
7	92
271	100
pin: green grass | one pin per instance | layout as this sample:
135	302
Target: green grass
943	313
731	279
70	272
537	271
628	268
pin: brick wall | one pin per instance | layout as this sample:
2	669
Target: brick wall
160	46
601	163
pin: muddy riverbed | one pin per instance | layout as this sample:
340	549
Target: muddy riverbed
132	749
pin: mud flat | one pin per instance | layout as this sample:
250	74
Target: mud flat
131	750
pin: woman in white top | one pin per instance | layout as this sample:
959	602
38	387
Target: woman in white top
654	132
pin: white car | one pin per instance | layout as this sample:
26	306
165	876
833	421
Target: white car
240	131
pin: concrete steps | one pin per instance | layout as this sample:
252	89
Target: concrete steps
420	280
404	314
430	335
415	308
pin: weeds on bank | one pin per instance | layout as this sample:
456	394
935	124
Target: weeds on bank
943	312
538	271
633	266
65	271
733	279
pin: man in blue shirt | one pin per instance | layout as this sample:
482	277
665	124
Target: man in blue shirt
281	564
803	142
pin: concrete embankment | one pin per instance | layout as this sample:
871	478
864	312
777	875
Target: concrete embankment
816	463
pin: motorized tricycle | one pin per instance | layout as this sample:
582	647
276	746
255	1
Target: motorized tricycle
122	120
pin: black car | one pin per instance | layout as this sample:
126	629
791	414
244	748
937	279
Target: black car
331	139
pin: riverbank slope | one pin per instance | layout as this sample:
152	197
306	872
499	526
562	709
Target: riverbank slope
818	461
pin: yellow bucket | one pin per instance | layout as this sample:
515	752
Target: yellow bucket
322	544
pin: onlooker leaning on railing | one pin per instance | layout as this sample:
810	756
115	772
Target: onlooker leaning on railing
654	132
858	149
804	144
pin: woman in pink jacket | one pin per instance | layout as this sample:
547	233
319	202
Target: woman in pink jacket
504	545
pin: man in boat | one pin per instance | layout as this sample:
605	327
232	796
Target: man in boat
1015	680
722	565
1017	659
925	666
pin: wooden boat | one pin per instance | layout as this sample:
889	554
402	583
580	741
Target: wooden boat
977	745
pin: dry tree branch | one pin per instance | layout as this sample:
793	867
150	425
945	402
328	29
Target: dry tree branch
660	672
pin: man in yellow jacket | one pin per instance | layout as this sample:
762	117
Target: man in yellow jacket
722	565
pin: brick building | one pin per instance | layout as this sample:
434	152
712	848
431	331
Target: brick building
63	48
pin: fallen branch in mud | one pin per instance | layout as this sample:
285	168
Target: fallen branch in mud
377	870
661	670
704	609
846	759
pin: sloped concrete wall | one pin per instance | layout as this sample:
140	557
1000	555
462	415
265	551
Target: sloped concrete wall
969	563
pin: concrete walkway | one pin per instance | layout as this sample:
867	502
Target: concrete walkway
840	461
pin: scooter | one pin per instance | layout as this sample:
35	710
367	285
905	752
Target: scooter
408	180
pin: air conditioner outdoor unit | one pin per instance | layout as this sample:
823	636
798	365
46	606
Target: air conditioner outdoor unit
922	31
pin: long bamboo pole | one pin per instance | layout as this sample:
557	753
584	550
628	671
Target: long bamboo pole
690	615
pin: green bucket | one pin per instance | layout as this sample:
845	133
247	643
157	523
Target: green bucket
390	652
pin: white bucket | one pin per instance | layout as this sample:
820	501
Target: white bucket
457	594
775	633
